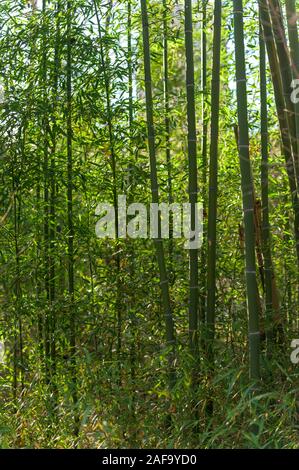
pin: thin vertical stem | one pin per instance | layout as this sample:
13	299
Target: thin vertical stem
213	182
45	126
286	74
193	190
282	114
71	280
114	176
204	162
247	194
164	283
266	234
167	127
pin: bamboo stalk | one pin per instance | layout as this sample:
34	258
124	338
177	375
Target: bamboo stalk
247	194
45	137
286	74
204	163
53	195
266	233
131	185
18	321
167	130
130	69
294	52
71	232
292	18
282	115
103	61
213	182
164	283
193	189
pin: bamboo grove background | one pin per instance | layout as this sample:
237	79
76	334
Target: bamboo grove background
140	343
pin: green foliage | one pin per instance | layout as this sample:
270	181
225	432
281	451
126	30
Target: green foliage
89	111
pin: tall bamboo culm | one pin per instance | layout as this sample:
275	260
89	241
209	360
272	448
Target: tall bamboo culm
45	127
193	189
213	182
71	233
286	74
164	282
104	61
53	196
266	234
247	195
286	136
204	164
293	36
294	54
167	128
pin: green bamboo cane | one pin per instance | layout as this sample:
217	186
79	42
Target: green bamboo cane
132	315
193	190
18	321
167	129
38	276
164	283
118	304
130	70
266	234
213	182
286	74
282	114
204	147
247	194
70	222
294	50
45	126
53	195
293	36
